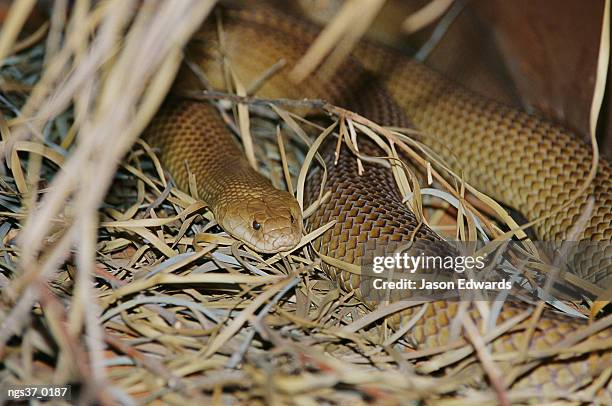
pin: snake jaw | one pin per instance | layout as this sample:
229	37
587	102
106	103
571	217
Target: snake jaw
266	224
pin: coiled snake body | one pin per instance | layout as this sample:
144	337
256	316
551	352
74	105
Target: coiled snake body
519	159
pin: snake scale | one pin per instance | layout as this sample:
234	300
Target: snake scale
520	159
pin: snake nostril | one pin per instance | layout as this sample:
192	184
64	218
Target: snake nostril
256	225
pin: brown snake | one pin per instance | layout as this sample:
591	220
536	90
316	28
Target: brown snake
521	160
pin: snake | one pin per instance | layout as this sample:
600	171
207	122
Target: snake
520	159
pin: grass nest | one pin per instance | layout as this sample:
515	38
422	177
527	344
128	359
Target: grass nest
118	283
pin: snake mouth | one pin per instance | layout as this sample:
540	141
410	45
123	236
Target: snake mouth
286	240
268	223
274	242
279	239
264	234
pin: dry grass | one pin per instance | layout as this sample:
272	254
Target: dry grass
114	279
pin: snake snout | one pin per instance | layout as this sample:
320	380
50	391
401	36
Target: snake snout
266	224
281	236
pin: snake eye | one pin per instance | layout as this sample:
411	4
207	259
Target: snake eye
256	225
292	219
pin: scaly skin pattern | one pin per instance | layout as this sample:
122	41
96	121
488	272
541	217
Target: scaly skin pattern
535	170
520	159
192	136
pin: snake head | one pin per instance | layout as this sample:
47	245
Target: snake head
266	223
